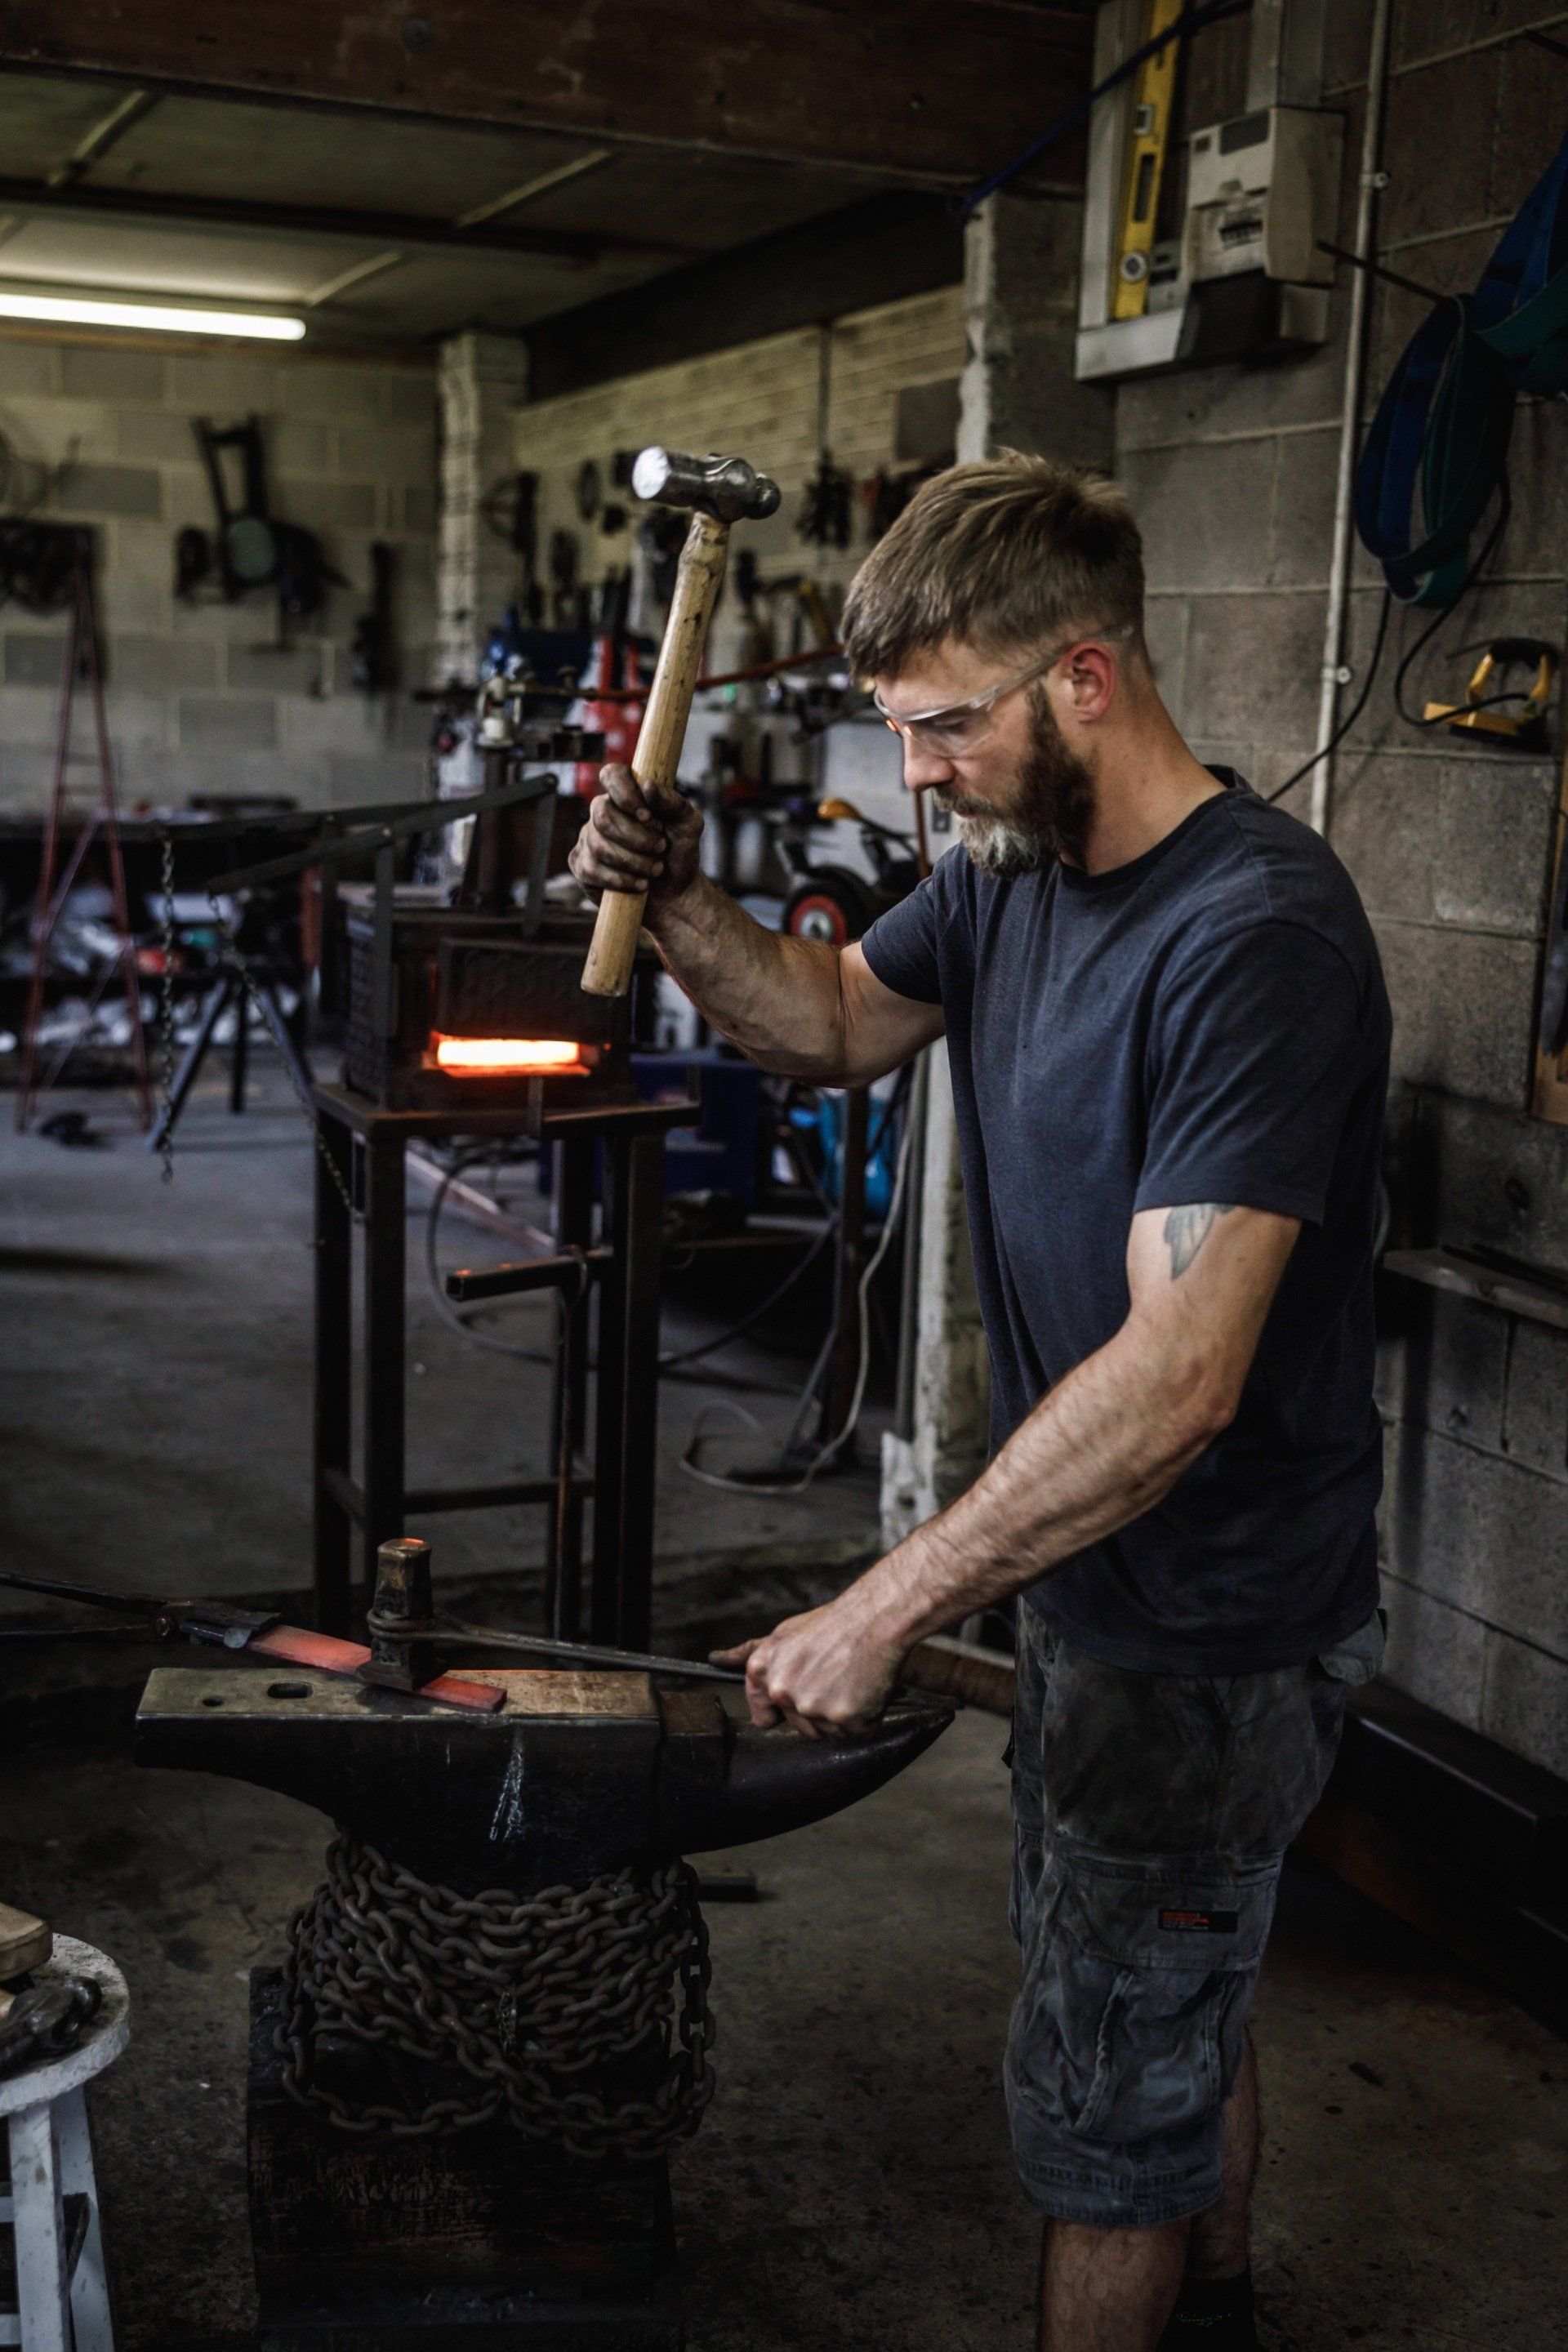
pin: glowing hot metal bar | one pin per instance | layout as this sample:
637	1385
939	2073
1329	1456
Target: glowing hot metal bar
504	1056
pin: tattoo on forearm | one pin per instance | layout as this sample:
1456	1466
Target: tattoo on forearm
1187	1229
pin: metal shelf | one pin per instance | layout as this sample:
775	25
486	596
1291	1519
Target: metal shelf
1537	1300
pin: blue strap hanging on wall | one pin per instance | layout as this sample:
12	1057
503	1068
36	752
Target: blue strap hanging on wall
1522	303
1443	424
1442	428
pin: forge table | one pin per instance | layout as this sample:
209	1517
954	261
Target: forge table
361	1160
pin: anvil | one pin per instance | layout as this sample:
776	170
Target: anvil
576	1773
369	2242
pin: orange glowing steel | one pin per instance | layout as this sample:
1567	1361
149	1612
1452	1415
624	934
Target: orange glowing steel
493	1057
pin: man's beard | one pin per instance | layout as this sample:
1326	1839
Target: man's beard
1052	805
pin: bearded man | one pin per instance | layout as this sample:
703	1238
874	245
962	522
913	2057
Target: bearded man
1168	1037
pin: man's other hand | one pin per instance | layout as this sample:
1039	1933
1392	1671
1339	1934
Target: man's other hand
639	838
825	1674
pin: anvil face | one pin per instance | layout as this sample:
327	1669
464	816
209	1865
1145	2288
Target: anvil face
578	1773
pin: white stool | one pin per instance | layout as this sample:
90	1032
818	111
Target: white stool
62	2294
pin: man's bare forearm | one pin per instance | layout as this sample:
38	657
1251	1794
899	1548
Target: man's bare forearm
1099	1450
778	999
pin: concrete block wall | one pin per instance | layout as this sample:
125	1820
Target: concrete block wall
758	401
1232	470
200	696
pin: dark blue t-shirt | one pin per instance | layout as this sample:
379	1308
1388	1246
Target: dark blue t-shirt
1209	1022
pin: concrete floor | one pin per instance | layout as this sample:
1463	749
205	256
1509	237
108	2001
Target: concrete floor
850	2190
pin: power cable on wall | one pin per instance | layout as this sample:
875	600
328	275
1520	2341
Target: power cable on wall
1490	543
1349	720
1472	577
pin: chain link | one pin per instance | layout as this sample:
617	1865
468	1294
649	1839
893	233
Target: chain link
527	1995
166	1124
231	955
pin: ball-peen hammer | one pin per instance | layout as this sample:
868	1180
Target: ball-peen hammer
720	491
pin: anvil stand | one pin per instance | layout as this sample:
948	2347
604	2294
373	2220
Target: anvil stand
481	2242
363	1147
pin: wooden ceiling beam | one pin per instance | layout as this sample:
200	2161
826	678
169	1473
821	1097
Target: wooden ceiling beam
934	93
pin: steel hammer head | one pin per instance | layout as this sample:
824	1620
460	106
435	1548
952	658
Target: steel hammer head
726	487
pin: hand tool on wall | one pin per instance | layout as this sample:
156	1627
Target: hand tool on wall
1153	97
720	491
254	549
511	508
372	653
1521	730
246	542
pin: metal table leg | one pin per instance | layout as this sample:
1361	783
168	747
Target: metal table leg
385	1346
241	1049
626	1450
569	1398
335	1327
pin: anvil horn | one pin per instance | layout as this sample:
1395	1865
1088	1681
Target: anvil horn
723	1783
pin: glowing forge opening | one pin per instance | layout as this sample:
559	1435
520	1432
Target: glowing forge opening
504	1057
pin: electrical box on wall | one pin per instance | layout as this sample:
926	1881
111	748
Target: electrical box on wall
1262	191
1242	274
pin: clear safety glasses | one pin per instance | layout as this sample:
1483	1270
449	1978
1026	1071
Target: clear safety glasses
961	727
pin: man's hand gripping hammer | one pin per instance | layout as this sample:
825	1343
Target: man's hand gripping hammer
720	491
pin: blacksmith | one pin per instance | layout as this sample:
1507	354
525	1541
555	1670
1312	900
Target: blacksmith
1168	1038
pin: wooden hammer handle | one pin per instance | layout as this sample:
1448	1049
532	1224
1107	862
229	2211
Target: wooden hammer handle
608	970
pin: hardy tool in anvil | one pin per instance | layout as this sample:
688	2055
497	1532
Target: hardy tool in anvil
492	2021
720	491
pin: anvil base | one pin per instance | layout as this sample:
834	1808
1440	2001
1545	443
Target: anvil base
485	2241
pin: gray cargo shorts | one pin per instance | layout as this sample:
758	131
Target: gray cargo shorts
1152	1815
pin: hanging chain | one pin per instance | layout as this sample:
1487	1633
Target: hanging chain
237	965
526	1995
166	1122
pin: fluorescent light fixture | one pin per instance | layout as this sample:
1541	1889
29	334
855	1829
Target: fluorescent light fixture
70	310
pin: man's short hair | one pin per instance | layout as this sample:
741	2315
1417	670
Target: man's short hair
1009	554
